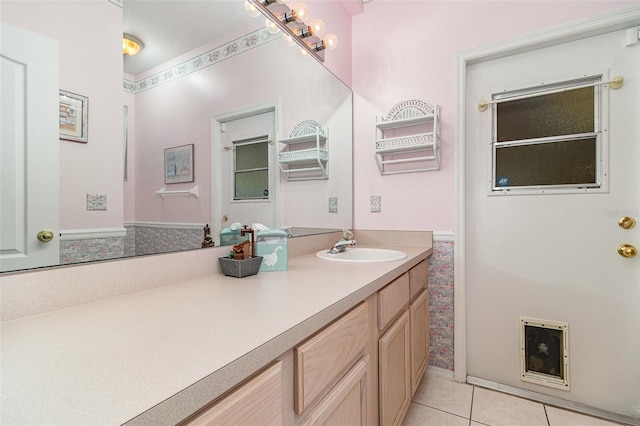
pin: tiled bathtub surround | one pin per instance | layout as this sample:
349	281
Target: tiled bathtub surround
441	304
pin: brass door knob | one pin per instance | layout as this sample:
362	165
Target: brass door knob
626	222
45	236
627	250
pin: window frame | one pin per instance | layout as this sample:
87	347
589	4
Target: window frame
600	133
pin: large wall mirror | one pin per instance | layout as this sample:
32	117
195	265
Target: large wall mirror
205	66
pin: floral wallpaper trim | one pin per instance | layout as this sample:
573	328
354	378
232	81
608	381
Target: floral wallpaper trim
219	54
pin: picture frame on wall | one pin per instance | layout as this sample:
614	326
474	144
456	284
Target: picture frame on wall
178	164
74	117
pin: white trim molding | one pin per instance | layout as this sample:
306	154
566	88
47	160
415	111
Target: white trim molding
443	236
90	234
572	31
171	225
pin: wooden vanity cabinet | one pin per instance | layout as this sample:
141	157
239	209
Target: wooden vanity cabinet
258	401
403	352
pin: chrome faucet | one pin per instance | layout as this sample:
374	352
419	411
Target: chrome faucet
341	245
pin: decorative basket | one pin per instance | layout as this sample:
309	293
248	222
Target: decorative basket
240	268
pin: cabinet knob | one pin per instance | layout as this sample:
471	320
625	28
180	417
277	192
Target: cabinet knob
626	222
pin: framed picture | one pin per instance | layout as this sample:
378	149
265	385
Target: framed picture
74	117
178	164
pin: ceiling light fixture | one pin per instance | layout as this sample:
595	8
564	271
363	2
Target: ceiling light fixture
131	45
292	22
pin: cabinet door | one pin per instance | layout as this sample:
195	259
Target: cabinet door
346	403
394	375
258	401
419	323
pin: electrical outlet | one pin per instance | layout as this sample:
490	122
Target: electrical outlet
376	203
97	202
333	204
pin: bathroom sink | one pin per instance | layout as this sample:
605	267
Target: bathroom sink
363	255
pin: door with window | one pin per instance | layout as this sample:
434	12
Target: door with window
552	172
248	171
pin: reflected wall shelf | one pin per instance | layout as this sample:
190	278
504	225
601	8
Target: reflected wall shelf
408	139
304	155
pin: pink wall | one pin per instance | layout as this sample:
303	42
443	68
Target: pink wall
406	50
90	65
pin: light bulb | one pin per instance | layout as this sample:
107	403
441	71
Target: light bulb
318	27
251	9
302	12
331	41
271	26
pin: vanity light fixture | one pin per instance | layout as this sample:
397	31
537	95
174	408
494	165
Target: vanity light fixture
131	45
292	22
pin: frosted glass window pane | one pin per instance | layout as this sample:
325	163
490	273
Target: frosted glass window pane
252	156
253	184
553	163
565	113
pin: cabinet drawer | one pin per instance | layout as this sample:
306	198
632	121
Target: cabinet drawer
392	299
259	401
324	358
419	277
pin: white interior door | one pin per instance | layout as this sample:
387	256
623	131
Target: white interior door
236	135
29	149
552	254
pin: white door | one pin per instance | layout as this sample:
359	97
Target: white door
551	253
29	150
248	184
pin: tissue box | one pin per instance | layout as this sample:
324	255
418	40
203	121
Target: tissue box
271	244
230	237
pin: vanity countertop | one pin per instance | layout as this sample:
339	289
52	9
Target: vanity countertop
156	356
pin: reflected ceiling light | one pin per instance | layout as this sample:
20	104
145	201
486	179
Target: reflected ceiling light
131	45
251	9
271	26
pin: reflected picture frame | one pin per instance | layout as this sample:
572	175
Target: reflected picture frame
178	164
73	117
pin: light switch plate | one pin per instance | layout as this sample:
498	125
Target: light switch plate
376	203
97	202
333	204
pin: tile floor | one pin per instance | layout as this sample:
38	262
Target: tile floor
443	402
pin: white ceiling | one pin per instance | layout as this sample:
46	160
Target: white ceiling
169	28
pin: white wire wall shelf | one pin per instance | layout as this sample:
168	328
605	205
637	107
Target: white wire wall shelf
408	139
304	155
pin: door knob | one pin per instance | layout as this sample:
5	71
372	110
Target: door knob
626	222
45	235
627	250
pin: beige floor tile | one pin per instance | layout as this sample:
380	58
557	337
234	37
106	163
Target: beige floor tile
559	417
419	415
446	395
499	409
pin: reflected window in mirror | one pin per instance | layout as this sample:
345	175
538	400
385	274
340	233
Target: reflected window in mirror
251	169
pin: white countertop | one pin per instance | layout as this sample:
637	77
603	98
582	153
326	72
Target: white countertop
156	356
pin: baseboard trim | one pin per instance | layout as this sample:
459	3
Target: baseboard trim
556	402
